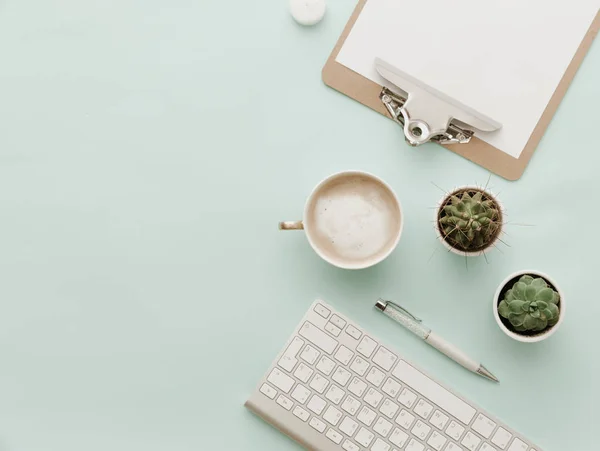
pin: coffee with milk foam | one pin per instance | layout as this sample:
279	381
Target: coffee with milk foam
354	219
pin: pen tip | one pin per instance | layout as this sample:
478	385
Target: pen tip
483	371
380	304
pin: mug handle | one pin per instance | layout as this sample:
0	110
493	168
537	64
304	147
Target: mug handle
291	225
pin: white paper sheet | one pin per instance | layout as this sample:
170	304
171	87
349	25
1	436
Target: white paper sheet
502	58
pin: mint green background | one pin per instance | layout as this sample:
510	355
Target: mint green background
148	149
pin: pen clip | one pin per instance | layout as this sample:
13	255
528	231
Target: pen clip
403	310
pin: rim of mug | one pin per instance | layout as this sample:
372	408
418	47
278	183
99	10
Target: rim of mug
354	265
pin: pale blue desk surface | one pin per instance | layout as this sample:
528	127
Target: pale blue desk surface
148	149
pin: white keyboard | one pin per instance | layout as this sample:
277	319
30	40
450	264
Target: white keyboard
334	387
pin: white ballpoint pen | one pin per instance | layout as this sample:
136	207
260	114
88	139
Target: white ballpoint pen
414	324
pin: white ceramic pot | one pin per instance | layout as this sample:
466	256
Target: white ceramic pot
445	243
529	338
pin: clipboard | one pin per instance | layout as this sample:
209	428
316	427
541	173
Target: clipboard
369	93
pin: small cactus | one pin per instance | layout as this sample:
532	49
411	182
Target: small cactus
470	220
530	305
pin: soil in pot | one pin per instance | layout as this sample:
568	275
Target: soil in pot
507	323
495	227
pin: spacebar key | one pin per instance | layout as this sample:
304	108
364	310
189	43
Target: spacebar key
434	392
317	337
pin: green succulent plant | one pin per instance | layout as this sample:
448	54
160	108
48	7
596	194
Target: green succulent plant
530	305
470	220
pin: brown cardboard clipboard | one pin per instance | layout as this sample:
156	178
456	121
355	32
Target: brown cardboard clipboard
365	91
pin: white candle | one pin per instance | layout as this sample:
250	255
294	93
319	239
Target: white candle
307	12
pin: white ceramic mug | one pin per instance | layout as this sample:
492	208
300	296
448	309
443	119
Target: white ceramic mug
352	220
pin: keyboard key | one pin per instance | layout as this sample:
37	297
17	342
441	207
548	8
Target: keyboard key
316	404
518	445
486	447
375	376
353	332
455	430
380	445
439	420
357	387
501	438
359	366
268	391
421	430
366	416
348	426
317	337
317	424
284	402
405	419
382	427
341	376
385	358
436	440
407	398
483	425
303	372
288	359
391	387
301	413
322	310
343	355
349	446
413	445
332	415
471	442
319	383
309	355
339	322
398	438
300	394
453	447
351	405
364	437
423	409
389	408
373	397
334	436
434	392
333	329
335	394
366	346
325	365
281	380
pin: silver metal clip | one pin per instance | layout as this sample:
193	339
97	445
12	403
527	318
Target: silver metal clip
402	309
394	104
427	114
